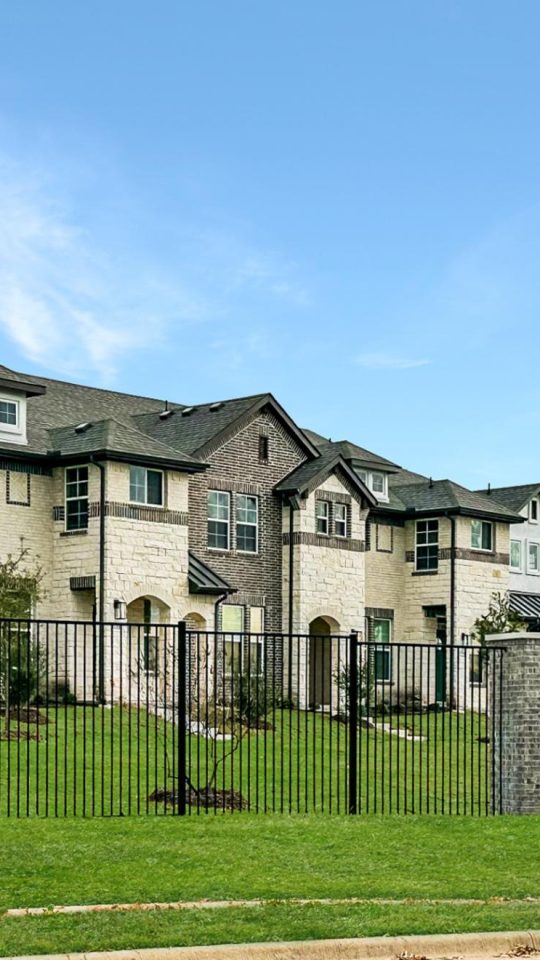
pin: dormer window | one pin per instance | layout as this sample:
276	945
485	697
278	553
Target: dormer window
12	418
533	510
376	481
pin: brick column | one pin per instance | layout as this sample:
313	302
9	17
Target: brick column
517	737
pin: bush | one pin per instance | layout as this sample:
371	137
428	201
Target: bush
252	699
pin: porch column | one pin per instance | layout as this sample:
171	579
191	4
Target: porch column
517	736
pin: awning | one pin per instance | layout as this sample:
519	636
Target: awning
202	579
526	604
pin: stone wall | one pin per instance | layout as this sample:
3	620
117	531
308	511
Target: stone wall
517	737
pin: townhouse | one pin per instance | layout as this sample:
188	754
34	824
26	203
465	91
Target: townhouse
231	517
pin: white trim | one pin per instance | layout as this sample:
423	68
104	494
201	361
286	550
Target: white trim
519	568
530	570
325	517
147	470
246	523
76	466
426	544
482	549
14	432
223	493
344	507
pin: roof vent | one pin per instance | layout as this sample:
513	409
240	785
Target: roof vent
83	427
165	414
216	406
187	410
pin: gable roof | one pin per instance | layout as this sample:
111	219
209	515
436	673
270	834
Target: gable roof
514	498
350	451
309	475
10	380
442	496
199	428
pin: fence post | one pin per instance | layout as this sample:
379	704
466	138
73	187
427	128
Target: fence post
182	726
516	732
353	722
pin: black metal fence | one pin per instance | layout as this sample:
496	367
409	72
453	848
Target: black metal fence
121	719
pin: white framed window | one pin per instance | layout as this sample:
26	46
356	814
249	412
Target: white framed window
378	483
232	625
482	535
247	523
146	486
515	555
322	517
219	519
76	498
533	557
427	544
9	414
533	510
382	629
340	519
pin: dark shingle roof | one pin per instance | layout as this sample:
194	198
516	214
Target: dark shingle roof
310	474
194	430
113	437
514	498
443	495
17	381
350	451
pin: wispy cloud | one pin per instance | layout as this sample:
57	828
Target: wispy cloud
78	304
388	361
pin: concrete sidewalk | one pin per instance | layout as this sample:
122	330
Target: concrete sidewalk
469	946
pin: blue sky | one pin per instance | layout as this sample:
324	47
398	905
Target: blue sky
338	202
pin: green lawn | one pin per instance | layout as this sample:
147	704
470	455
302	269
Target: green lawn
95	761
275	858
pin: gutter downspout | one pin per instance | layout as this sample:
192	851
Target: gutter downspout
452	602
101	603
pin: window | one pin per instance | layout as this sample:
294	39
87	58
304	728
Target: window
322	514
383	656
219	509
247	522
146	486
263	448
256	644
232	623
76	498
477	664
376	481
427	544
9	414
481	535
515	554
150	652
340	519
533	510
533	557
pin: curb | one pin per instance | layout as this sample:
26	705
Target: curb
445	946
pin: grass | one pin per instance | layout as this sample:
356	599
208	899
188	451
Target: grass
147	859
102	761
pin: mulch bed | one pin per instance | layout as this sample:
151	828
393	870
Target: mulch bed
207	799
28	715
19	735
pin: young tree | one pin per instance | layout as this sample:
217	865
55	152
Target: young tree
20	590
500	618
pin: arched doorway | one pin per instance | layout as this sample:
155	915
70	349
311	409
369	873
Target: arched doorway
149	613
320	660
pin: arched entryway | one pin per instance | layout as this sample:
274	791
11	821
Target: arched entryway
150	613
320	660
